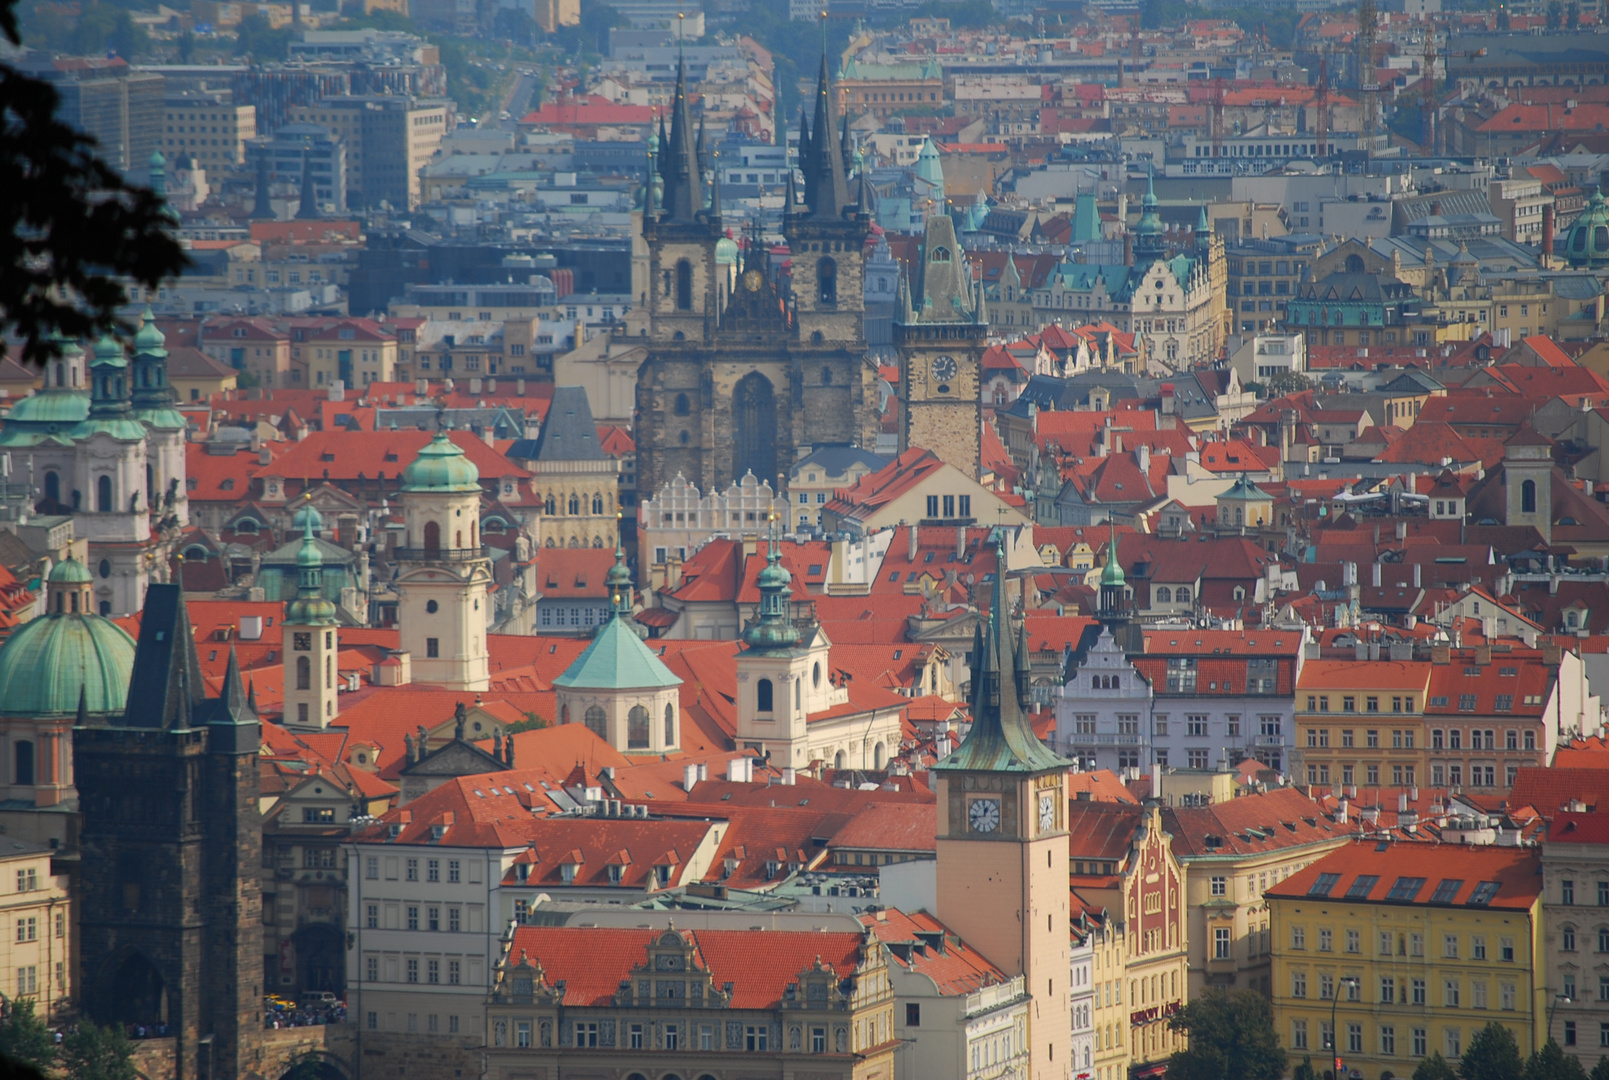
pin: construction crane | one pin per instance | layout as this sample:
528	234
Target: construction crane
1368	77
1321	107
1215	116
1428	79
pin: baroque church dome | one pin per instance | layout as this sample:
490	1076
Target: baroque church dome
441	467
47	661
1587	241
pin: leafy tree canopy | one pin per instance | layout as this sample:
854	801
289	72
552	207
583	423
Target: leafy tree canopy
71	229
1492	1054
1231	1038
1552	1063
1434	1067
90	1052
25	1039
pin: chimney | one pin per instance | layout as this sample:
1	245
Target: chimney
910	548
1142	457
1167	399
703	770
689	777
1340	812
474	386
1156	781
1440	654
790	776
1402	530
519	387
1418	575
734	770
1483	656
1374	574
491	385
1402	802
1547	233
960	541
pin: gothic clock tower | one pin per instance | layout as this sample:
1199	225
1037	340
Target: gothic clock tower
1002	840
940	326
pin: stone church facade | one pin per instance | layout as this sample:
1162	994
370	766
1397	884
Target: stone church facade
744	374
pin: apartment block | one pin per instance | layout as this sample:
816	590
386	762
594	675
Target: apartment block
1361	722
208	127
35	916
388	140
1412	948
1575	911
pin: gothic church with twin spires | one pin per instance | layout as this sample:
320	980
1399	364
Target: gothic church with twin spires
745	374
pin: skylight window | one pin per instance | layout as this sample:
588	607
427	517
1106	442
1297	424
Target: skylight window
1483	894
1406	888
1446	890
1363	886
1324	884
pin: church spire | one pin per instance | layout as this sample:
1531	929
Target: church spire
1001	738
774	628
679	156
826	187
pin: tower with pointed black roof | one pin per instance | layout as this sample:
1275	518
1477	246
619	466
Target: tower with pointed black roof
1002	867
170	914
748	372
941	328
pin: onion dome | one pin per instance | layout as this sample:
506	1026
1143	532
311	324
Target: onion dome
306	518
441	467
774	629
149	339
310	608
1586	244
50	662
726	250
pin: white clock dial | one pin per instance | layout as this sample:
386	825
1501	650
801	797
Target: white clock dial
984	815
1047	813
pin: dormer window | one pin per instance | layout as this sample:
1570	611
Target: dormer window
567	873
616	874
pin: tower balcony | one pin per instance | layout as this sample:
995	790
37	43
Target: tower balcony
438	555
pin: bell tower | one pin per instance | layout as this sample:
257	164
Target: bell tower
940	327
443	575
1002	840
310	642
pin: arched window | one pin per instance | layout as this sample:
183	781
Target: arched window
827	280
637	728
597	722
304	673
683	406
684	438
103	494
575	504
432	536
1164	595
1528	497
25	762
762	695
458	538
670	725
564	714
1603	939
53	486
549	507
329	672
684	285
940	255
1354	264
1181	595
597	504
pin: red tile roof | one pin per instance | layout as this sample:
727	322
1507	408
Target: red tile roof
759	964
1250	825
920	943
1461	869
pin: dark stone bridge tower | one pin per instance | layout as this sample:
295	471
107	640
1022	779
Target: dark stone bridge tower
744	375
171	915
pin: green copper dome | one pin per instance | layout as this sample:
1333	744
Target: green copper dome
1112	572
617	659
46	662
441	467
726	251
70	572
109	351
1586	243
149	340
774	629
311	607
307	515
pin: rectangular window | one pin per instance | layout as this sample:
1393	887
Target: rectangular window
371	868
1388	990
1449	993
1354	1038
756	1038
372	917
1220	885
1421	1045
1505	993
1298	937
1477	994
413	870
818	1040
433	870
634	1037
433	971
413	917
1388	1041
1566	891
1326	940
1477	947
1299	1034
454	973
1221	943
1455	1043
1419	992
913	1014
1449	946
413	971
1298	984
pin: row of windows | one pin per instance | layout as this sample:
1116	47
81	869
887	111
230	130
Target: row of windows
421	917
433	1022
1401	738
1400	774
430	970
592	1034
1371	703
1567	892
1411	944
433	869
1385	1039
1393	991
1454	739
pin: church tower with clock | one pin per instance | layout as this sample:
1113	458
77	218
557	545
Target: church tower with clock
940	327
1002	841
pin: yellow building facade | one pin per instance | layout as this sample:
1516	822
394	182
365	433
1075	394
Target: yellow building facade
1387	952
1361	722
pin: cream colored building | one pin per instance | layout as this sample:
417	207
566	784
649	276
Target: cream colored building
1229	863
388	141
577	483
679	519
35	921
917	487
208	127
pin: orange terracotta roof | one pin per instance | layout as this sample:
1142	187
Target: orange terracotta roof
1455	875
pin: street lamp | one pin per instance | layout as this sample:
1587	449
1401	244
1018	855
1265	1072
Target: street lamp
1552	1007
1335	1036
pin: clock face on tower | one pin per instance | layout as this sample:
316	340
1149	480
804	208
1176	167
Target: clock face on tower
944	369
983	815
1047	812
